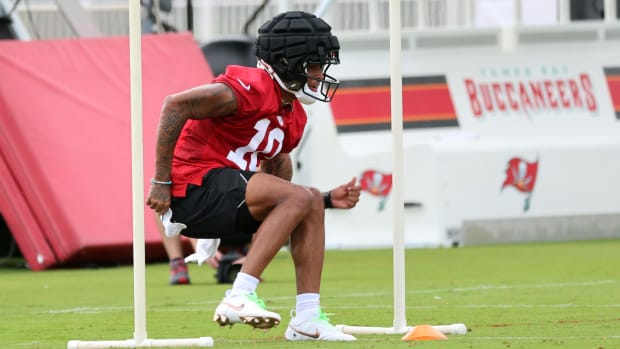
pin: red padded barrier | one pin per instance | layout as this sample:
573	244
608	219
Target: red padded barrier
19	218
65	137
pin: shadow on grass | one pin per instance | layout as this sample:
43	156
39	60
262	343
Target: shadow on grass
13	263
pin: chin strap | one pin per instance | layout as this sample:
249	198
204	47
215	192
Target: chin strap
304	94
303	97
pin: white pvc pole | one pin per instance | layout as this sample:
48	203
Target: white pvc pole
398	199
445	329
396	89
137	171
137	184
147	343
398	196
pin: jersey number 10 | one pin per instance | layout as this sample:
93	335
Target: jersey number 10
252	148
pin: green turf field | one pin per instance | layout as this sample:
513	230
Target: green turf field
553	295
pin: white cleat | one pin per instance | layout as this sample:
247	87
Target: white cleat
317	329
245	309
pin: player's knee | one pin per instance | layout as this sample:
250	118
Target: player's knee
302	200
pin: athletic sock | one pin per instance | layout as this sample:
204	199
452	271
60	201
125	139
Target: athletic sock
244	284
178	260
307	307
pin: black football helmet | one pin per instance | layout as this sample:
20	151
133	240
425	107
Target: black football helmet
285	46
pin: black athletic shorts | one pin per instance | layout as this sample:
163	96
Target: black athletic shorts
217	208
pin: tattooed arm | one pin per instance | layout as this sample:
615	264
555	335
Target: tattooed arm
280	165
206	101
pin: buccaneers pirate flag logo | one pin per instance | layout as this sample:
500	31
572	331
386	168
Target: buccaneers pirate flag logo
521	175
378	184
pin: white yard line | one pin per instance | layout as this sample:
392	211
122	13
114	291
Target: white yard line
568	305
511	287
192	306
542	337
88	310
205	307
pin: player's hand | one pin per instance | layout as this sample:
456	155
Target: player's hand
346	195
159	198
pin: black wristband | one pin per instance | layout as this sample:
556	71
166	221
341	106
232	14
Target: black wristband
327	199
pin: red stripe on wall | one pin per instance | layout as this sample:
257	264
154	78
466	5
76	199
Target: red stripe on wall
371	105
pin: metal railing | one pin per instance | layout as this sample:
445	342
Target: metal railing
212	18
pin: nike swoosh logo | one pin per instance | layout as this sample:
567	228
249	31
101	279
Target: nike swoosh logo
314	335
246	87
234	307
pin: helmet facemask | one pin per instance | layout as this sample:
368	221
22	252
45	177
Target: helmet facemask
326	88
324	92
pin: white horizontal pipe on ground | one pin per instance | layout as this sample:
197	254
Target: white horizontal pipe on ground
445	329
147	343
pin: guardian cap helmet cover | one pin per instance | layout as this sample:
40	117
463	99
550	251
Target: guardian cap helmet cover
289	42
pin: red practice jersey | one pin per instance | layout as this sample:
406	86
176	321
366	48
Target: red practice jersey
259	130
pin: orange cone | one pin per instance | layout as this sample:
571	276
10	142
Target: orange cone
423	333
